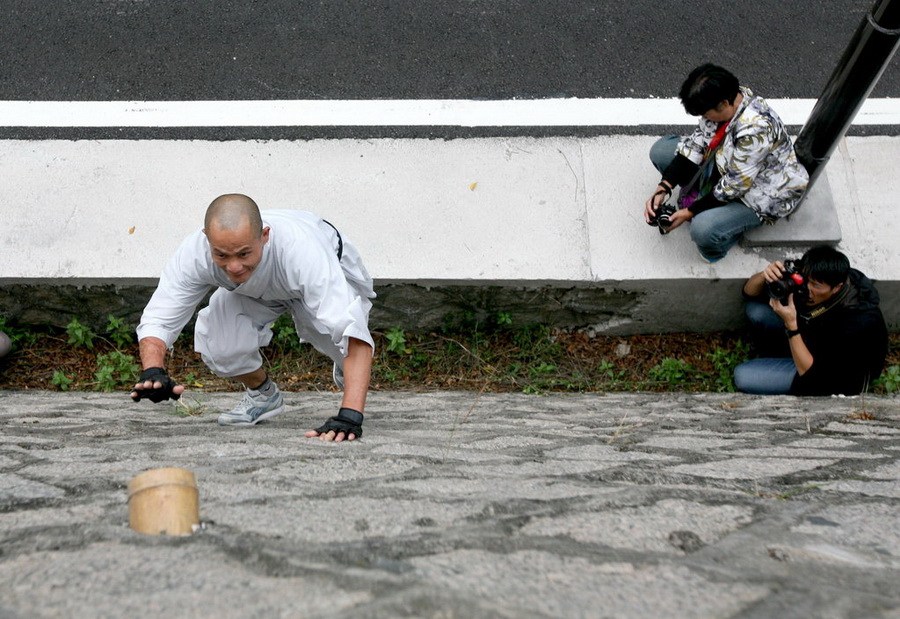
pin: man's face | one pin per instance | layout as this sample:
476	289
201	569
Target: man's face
238	251
722	112
819	292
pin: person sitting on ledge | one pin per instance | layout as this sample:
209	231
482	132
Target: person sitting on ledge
736	170
262	265
819	322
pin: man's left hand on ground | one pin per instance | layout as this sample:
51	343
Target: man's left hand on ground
156	385
347	424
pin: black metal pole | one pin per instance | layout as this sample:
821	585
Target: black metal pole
863	62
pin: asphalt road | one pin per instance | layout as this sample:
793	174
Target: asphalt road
414	49
144	50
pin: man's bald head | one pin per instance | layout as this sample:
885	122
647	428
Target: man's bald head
232	211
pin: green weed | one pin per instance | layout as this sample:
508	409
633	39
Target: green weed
396	339
673	372
889	381
17	335
187	406
61	381
724	361
119	331
80	335
504	319
284	333
114	369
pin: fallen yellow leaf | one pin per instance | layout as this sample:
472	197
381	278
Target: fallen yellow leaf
473	186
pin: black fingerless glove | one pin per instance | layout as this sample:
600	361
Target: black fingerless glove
156	375
347	421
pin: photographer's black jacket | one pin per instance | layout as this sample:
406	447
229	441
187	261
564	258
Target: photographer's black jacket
848	341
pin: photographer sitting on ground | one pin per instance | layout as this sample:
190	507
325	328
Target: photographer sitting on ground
736	170
821	327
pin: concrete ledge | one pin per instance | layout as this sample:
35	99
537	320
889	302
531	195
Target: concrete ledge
815	222
517	214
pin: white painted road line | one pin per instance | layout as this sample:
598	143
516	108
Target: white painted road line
393	112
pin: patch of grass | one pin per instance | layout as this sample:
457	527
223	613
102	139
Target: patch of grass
61	381
80	335
396	341
284	334
889	381
115	369
672	372
724	360
189	406
120	333
17	335
497	356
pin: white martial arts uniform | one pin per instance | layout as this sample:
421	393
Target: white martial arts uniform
299	273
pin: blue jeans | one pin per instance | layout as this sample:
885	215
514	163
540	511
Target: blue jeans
766	375
716	230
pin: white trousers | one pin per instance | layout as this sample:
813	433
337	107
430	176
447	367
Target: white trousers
232	328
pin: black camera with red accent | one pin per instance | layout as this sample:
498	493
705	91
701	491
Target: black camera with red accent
791	282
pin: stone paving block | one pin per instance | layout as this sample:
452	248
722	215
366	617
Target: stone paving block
875	528
586	589
750	468
868	488
793	451
510	488
606	453
341	520
653	527
868	429
176	580
676	506
14	488
692	443
889	471
824	443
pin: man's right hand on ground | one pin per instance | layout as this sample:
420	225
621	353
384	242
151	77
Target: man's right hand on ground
156	385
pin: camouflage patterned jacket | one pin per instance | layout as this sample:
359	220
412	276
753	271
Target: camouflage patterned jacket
756	159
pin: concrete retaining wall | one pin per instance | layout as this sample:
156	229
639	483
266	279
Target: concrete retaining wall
547	228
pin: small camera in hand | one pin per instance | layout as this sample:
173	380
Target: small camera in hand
661	217
791	282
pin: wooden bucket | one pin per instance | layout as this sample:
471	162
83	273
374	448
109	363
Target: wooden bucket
163	502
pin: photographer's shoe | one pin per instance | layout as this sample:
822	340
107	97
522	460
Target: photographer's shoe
253	408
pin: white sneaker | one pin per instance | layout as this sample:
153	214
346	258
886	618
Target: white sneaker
337	374
253	408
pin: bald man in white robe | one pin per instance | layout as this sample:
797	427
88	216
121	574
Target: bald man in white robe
262	265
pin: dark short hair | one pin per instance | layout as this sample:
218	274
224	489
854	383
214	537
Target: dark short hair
825	264
706	87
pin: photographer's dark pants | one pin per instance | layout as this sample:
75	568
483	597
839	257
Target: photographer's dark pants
770	375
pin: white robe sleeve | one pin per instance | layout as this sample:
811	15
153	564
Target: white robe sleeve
181	288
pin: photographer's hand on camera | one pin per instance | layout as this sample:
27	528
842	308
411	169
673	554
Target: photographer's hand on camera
756	284
679	217
662	193
773	271
787	312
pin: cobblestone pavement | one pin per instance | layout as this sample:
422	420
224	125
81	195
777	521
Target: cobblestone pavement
459	505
